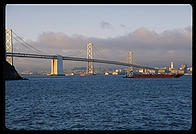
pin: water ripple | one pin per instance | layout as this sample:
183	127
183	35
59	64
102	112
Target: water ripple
99	103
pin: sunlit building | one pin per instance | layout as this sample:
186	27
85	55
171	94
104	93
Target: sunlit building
114	73
142	70
27	72
161	71
106	73
151	71
183	67
174	71
190	69
181	71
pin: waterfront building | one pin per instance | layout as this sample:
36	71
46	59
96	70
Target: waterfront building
142	70
161	71
174	71
27	72
181	71
183	67
151	71
166	68
106	73
189	69
118	70
114	73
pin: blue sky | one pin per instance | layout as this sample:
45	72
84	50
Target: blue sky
31	20
149	30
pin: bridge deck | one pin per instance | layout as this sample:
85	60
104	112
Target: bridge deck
76	59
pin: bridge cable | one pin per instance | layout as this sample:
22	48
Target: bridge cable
24	45
27	44
77	53
97	51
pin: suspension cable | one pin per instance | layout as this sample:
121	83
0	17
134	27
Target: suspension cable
21	43
27	44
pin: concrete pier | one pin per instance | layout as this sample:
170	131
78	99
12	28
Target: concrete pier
57	66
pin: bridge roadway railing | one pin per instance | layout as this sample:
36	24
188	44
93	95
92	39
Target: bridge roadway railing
76	59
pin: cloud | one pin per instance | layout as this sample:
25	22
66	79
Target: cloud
149	48
123	26
144	34
105	25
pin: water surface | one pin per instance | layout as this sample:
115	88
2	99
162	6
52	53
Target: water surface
98	103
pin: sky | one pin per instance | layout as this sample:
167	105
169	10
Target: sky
157	34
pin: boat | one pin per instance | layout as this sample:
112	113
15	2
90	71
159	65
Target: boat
134	75
83	74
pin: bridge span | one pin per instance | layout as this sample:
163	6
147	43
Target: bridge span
57	60
76	59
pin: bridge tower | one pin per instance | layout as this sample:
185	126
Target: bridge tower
9	45
130	61
57	66
90	68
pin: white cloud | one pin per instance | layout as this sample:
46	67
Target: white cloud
148	46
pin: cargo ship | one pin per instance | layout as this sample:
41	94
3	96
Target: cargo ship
134	75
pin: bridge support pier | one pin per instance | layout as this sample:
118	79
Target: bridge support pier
57	66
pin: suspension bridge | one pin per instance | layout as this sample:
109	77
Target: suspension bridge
57	60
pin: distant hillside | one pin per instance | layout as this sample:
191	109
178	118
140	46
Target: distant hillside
10	72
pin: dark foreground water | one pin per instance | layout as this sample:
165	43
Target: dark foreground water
98	103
